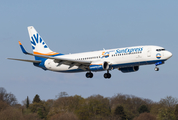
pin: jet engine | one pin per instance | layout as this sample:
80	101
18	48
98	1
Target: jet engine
129	69
99	66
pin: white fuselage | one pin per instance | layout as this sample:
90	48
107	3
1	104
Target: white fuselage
117	58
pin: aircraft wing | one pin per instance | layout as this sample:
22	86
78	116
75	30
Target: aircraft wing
66	61
60	60
34	61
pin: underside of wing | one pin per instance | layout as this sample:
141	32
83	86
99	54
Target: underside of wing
81	64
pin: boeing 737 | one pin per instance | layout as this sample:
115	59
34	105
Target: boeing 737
126	59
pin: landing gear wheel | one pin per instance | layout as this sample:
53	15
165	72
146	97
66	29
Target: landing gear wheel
89	75
156	69
107	75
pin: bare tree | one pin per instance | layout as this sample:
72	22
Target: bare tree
9	98
169	101
2	93
62	94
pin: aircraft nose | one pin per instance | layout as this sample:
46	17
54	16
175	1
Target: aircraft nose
169	54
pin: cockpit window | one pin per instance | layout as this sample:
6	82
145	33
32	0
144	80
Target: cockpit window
160	49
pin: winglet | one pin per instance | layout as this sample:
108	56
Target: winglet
22	48
20	43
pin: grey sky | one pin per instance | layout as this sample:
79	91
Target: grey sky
80	26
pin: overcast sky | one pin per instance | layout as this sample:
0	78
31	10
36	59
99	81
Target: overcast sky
72	26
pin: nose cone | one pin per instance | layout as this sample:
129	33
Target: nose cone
169	54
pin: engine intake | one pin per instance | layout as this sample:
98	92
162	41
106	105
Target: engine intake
129	69
105	65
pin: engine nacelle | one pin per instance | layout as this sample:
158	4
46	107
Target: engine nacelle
99	66
129	69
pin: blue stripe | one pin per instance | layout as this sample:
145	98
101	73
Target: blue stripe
72	71
136	63
119	65
57	55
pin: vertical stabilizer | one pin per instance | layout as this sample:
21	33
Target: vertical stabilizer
38	45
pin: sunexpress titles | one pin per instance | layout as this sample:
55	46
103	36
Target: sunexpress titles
129	50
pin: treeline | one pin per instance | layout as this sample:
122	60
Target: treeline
95	107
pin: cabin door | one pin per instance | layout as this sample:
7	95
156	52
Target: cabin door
149	52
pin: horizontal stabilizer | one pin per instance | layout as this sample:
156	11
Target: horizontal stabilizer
34	61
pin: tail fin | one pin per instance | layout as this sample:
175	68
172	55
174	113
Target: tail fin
38	45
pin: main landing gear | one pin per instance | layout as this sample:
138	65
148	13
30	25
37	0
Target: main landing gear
106	75
89	75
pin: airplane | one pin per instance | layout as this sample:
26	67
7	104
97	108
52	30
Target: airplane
126	59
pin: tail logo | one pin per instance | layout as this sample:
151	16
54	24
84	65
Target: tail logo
37	40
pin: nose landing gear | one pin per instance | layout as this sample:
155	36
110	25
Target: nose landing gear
156	68
158	63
